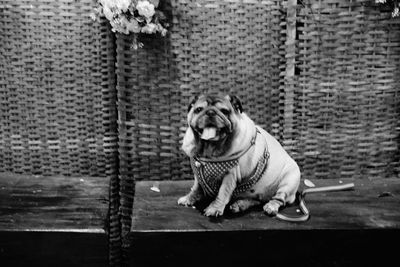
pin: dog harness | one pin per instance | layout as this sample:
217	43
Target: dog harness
210	173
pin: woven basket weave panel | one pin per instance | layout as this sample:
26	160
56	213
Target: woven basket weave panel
54	75
348	94
213	46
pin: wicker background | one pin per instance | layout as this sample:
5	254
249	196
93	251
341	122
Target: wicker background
337	114
56	89
347	99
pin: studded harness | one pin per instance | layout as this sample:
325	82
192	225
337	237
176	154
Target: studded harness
210	173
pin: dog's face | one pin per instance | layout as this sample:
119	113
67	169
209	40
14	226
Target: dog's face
213	120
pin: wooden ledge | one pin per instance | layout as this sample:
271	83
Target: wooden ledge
48	203
53	221
351	228
372	204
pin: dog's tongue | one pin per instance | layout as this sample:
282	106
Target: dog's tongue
209	133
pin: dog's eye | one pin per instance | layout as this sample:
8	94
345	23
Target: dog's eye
198	110
225	111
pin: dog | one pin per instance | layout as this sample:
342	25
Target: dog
235	162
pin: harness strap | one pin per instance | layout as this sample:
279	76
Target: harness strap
301	195
210	172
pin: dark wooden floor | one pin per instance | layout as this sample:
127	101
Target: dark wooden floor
53	221
59	221
351	228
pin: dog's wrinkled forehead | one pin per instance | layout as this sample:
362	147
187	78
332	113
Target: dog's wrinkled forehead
210	100
227	102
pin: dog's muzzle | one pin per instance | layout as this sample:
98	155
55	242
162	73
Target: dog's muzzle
213	127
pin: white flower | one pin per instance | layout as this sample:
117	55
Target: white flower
118	25
149	28
133	26
164	32
93	16
380	1
145	8
395	12
120	5
115	27
108	13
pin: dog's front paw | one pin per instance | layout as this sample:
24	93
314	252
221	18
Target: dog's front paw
214	210
186	201
272	207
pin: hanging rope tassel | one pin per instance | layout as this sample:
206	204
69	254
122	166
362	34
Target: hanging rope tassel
305	212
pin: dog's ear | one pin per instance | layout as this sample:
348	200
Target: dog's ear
236	104
192	102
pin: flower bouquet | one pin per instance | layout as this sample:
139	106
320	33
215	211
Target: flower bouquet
133	16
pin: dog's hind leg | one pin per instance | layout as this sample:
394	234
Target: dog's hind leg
241	205
286	192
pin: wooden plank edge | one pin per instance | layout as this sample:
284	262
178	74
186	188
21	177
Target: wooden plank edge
55	230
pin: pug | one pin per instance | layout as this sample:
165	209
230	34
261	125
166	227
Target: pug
236	164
